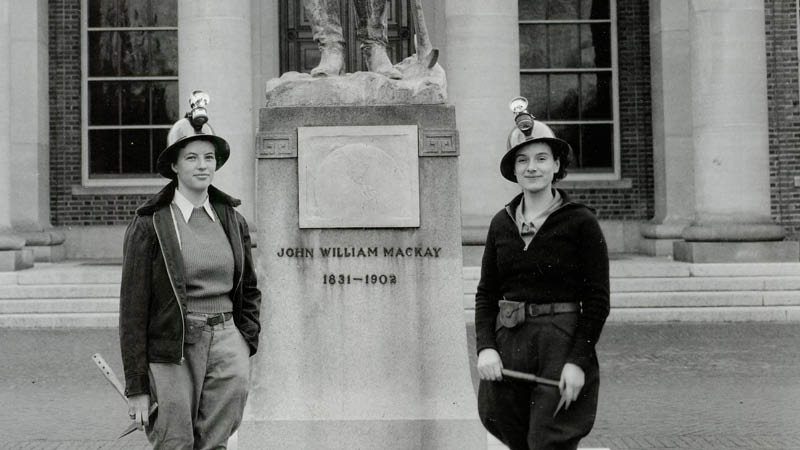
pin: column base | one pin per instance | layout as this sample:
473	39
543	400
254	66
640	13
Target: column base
47	245
736	252
444	434
13	260
658	238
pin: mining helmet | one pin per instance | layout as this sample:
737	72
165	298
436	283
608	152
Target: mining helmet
527	130
186	130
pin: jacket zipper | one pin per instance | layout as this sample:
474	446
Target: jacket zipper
241	271
171	283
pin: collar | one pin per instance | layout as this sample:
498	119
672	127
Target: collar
539	219
186	207
164	197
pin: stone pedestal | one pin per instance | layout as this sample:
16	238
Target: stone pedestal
363	343
730	135
13	255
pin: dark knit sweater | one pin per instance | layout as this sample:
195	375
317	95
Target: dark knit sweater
567	261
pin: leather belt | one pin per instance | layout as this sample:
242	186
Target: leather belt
213	318
534	309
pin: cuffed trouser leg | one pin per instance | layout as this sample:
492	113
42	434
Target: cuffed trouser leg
520	414
372	22
325	22
200	402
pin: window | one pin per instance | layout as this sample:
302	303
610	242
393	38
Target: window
130	88
568	74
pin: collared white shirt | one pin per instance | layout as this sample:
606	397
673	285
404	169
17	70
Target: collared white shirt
527	230
186	207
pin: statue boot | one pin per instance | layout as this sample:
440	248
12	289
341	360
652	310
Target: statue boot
331	63
378	61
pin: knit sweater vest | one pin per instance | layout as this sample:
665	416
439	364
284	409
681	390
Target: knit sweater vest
208	261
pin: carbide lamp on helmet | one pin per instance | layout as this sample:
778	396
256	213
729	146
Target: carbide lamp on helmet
193	127
527	130
198	115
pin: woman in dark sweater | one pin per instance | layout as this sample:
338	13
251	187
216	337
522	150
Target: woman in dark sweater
541	302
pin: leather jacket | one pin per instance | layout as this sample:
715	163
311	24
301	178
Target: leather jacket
153	290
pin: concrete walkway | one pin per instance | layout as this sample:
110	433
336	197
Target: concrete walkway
665	386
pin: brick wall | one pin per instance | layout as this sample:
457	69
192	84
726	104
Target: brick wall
784	111
636	140
65	129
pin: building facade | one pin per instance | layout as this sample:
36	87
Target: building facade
684	114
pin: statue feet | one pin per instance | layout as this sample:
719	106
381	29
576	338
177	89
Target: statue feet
331	62
378	61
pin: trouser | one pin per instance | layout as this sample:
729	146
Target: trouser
327	27
200	402
520	414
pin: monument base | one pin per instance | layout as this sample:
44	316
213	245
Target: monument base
364	434
736	252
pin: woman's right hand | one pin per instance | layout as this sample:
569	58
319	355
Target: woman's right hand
490	365
139	409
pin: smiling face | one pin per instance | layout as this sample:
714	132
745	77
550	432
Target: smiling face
195	166
535	166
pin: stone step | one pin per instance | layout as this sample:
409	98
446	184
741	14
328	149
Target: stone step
64	320
63	291
64	273
50	305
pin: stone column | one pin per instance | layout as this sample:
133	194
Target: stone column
215	55
30	130
482	63
672	126
730	135
13	256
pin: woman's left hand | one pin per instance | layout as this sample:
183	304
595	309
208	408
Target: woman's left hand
571	383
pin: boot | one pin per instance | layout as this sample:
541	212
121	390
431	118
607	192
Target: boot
378	61
331	63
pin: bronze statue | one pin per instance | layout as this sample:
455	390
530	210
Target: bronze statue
371	26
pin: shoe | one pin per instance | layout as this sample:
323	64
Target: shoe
331	63
378	61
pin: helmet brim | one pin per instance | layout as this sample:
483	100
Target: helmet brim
559	147
222	151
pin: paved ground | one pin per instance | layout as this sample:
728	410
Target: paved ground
668	386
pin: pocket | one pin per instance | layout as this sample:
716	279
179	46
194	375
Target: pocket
565	324
192	330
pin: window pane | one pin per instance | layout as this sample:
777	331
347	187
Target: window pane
533	46
164	53
103	103
569	133
596	45
135	99
595	9
563	97
135	13
562	9
598	145
104	151
103	13
165	13
165	102
532	9
534	88
135	50
564	49
159	136
596	96
136	151
104	53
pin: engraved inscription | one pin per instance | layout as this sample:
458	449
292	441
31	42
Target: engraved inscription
359	252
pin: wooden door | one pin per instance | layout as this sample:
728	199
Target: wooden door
300	53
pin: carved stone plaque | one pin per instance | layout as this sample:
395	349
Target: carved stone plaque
358	177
